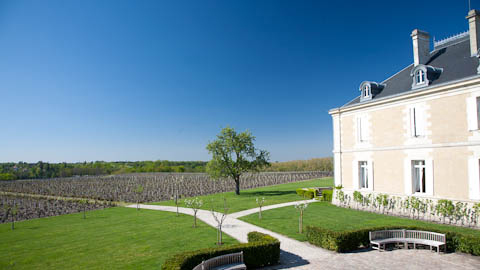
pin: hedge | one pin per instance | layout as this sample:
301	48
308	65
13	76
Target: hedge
327	195
308	193
345	241
261	250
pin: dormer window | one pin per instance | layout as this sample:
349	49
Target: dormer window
369	90
423	75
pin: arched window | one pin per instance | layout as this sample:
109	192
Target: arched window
420	76
366	91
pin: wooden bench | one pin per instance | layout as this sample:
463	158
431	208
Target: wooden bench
379	239
232	261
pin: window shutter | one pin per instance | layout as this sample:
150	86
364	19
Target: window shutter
364	128
370	175
473	178
355	174
359	129
412	122
472	113
420	122
429	172
407	171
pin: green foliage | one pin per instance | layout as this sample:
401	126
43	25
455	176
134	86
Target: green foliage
234	154
258	243
301	191
358	197
314	164
307	193
327	195
445	208
40	170
7	176
351	240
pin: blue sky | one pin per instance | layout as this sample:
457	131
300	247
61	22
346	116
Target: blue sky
148	80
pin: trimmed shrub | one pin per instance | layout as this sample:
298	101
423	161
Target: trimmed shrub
308	193
261	250
327	195
351	240
301	191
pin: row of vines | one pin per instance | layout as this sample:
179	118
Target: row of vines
443	211
155	186
17	208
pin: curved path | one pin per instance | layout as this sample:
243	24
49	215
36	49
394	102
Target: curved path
302	255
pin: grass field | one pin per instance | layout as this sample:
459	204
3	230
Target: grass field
285	220
246	199
114	238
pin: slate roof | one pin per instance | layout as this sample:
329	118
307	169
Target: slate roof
454	58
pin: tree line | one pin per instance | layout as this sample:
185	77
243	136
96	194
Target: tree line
315	164
41	170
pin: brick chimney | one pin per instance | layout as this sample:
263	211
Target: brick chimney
421	46
474	30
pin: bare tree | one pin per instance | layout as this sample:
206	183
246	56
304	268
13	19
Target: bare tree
220	218
14	211
301	207
260	203
139	192
195	204
176	196
84	202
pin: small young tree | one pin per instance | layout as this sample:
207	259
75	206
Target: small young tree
260	203
14	212
139	192
234	154
301	208
84	203
176	197
195	204
220	218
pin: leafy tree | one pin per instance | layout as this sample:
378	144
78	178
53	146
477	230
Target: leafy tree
233	154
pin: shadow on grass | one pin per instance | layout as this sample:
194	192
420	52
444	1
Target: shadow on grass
269	193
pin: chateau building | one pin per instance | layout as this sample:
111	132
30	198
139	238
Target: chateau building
417	133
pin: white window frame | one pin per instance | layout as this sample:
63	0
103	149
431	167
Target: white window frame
420	77
363	174
419	175
410	176
367	166
366	91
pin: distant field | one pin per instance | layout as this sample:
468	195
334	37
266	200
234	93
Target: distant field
246	200
114	238
285	220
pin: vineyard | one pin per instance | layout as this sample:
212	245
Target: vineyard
27	207
155	186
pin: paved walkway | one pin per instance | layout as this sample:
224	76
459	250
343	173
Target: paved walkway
302	255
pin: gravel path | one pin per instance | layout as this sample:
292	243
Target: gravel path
302	255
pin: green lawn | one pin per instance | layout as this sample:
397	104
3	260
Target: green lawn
285	220
114	238
246	200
